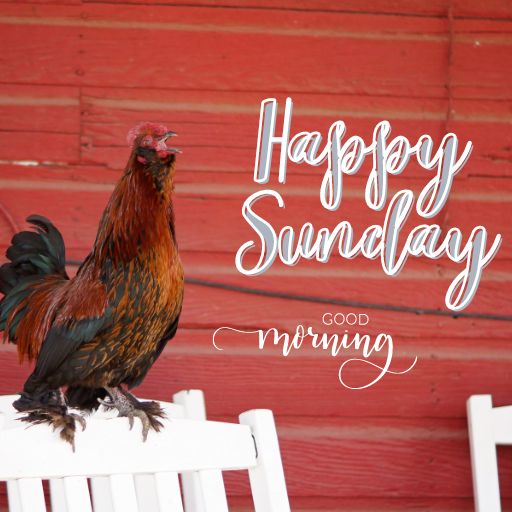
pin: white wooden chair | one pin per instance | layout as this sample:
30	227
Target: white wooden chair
112	470
488	427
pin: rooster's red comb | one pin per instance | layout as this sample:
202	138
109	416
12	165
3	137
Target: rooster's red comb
145	128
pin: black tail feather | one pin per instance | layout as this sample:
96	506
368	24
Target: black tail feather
32	255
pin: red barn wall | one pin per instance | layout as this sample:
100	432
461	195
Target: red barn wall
76	75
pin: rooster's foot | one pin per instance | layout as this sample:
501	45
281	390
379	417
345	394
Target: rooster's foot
59	418
129	407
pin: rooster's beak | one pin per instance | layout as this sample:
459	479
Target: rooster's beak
169	134
172	151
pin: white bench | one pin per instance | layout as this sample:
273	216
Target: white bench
488	427
112	470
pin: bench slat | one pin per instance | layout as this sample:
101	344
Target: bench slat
31	495
124	497
77	494
168	492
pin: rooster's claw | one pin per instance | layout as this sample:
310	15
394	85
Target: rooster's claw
129	407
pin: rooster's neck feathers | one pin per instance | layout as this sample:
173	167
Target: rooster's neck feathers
139	214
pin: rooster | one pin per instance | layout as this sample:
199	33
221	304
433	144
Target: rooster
96	335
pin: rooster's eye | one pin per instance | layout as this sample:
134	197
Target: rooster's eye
146	141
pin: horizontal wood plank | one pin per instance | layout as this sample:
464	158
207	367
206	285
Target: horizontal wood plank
232	122
100	37
499	9
209	120
30	146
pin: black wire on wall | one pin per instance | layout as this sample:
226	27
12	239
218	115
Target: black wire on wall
335	302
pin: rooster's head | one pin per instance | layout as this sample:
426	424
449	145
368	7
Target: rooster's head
149	145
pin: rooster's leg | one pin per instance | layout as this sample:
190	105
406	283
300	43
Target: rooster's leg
128	406
50	408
